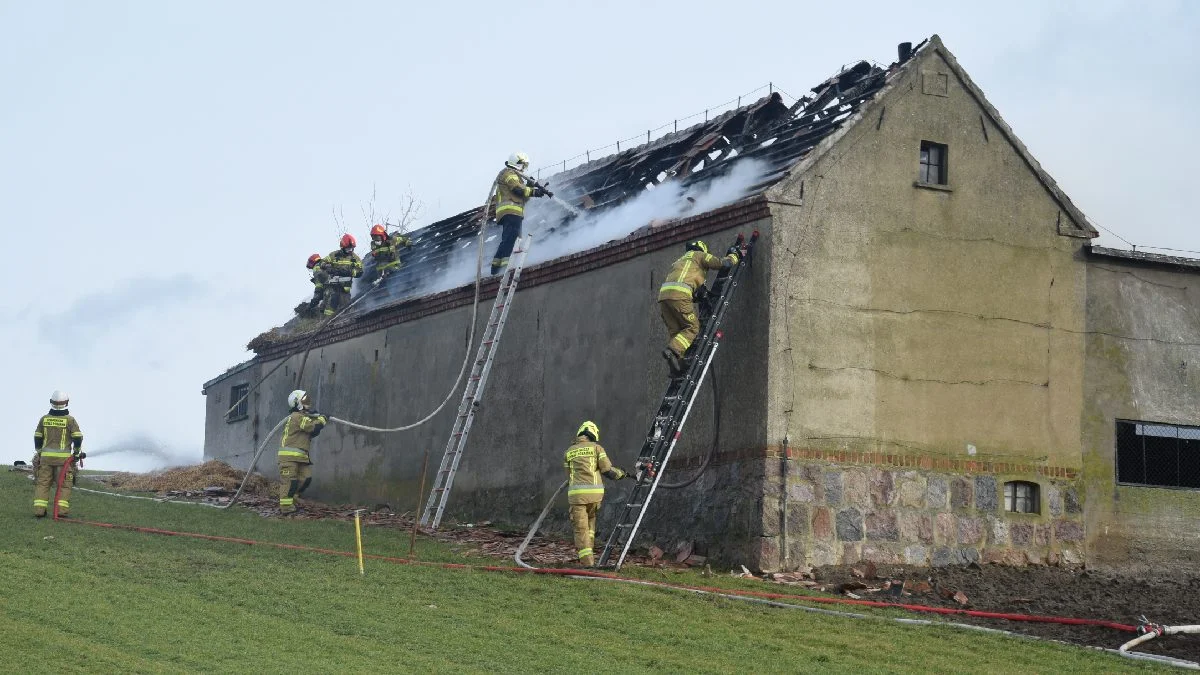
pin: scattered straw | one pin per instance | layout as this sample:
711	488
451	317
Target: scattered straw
190	479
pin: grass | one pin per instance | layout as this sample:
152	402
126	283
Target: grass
78	598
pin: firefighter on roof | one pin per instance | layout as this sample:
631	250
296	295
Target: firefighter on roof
320	277
343	266
675	298
56	439
385	248
511	194
585	461
295	463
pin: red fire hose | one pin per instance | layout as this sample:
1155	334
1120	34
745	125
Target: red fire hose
66	469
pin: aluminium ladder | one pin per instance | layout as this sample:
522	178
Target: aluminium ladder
673	412
472	395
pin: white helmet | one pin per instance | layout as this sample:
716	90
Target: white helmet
298	399
518	160
59	400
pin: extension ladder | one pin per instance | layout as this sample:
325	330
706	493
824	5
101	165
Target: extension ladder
673	412
436	504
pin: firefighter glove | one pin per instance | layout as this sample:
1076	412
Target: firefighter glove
539	191
80	455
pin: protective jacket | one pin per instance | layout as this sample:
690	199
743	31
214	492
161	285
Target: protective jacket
688	273
55	436
585	461
341	264
299	430
511	193
387	252
320	276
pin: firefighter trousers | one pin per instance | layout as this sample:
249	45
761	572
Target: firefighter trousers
294	479
508	239
583	519
682	323
47	484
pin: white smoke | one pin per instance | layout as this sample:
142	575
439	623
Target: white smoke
554	237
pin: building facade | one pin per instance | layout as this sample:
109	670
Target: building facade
929	362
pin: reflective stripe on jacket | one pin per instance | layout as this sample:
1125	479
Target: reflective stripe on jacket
511	193
344	264
54	435
297	435
585	461
688	273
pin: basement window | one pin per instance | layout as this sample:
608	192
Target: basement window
237	394
934	168
1022	496
1158	455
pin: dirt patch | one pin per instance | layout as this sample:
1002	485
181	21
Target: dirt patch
1165	599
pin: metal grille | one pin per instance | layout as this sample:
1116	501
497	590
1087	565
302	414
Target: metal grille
1021	497
1159	455
238	393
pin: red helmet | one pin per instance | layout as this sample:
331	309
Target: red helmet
348	241
379	231
313	260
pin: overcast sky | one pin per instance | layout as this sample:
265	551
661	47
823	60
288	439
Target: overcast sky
167	167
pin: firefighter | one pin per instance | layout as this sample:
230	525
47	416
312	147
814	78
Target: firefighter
320	277
675	298
295	464
343	266
385	249
511	193
585	461
56	440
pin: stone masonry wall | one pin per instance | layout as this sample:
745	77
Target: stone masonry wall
829	513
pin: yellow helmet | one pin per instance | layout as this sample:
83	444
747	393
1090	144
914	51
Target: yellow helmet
589	428
697	245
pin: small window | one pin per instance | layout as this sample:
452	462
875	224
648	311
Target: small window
933	164
237	394
1021	497
1158	455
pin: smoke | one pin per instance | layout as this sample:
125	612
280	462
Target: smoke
556	234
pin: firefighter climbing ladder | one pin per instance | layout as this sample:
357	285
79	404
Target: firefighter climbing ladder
472	394
673	413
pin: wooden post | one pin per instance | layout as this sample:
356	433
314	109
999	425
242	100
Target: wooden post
412	539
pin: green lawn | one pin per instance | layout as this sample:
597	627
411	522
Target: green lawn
79	598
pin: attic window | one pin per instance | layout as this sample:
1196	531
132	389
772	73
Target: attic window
237	394
1021	497
933	164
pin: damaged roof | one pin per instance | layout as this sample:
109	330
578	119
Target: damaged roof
774	133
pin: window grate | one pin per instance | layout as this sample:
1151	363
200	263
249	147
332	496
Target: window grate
1158	455
1022	497
238	393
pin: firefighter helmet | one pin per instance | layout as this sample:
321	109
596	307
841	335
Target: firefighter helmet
348	241
519	161
298	399
313	260
589	429
59	400
379	231
697	245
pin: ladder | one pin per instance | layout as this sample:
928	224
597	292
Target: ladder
673	412
472	395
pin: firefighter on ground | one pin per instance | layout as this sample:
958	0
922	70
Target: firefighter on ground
675	297
385	248
512	191
320	277
585	462
57	441
343	266
295	463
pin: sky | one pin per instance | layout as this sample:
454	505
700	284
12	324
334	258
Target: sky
166	168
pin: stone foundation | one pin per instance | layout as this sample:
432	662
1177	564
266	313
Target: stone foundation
831	514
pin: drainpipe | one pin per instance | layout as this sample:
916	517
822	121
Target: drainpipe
783	515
